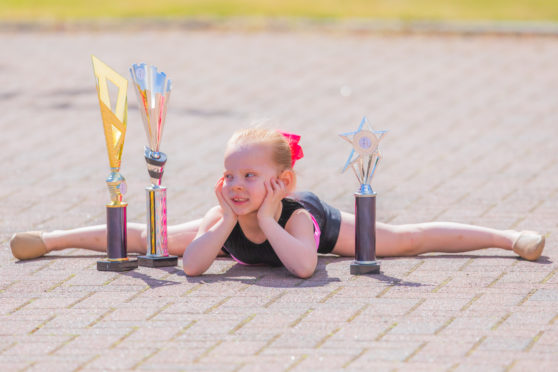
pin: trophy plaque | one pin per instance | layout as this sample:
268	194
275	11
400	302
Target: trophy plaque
114	124
363	159
153	90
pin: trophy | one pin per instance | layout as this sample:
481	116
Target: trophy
153	90
364	158
114	124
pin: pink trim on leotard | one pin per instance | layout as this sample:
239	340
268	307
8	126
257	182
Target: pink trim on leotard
238	261
317	233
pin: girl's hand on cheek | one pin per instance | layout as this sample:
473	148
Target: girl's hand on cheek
275	192
227	210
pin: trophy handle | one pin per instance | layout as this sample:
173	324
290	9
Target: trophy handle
365	235
157	252
117	241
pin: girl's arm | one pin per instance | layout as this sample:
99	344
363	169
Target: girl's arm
214	230
294	245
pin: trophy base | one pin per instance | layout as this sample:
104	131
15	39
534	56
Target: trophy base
157	261
118	266
363	268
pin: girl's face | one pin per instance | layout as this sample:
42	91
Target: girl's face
247	167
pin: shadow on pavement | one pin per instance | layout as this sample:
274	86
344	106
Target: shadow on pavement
544	260
153	282
57	257
279	277
265	276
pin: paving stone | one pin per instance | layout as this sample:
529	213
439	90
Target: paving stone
471	139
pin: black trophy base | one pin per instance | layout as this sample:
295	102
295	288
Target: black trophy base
124	265
157	261
363	268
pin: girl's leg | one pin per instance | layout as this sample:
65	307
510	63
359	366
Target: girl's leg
448	237
179	236
93	238
35	244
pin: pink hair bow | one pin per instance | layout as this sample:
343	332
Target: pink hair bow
296	150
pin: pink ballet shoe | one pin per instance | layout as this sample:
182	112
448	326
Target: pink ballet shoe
529	245
28	245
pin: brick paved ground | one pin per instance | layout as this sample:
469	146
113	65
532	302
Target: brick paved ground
472	124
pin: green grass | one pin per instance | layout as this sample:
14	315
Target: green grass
510	10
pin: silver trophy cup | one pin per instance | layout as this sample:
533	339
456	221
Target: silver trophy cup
363	160
153	90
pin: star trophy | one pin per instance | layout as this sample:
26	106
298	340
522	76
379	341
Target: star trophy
114	124
153	90
364	159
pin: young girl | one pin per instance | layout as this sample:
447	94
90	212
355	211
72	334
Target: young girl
261	220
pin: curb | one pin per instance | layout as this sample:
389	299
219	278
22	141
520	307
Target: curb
293	24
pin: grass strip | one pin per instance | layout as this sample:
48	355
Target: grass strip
406	10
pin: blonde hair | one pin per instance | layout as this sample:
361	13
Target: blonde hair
280	149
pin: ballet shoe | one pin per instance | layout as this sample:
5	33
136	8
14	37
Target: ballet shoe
28	245
529	245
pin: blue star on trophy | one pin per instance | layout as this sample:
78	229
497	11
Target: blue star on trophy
364	159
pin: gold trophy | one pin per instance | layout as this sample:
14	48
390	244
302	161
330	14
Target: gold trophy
114	124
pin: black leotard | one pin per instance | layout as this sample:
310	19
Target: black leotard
327	221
